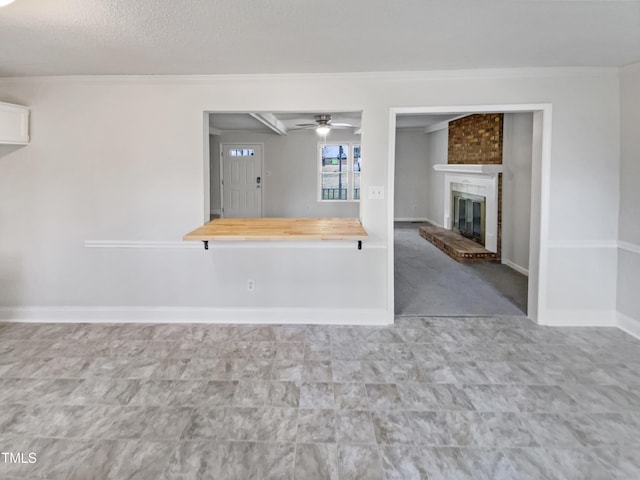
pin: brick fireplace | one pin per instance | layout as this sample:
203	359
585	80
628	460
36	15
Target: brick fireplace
472	214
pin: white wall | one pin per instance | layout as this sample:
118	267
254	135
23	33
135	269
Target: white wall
290	176
419	188
629	229
121	158
437	154
412	172
214	173
516	189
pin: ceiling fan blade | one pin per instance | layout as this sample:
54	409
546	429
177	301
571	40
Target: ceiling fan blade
303	127
342	125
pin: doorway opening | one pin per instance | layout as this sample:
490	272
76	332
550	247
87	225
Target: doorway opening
468	209
282	164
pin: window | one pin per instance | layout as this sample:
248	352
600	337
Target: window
239	152
339	172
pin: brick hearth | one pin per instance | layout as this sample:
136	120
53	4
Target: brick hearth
459	248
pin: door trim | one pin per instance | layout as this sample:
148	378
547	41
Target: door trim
262	182
540	195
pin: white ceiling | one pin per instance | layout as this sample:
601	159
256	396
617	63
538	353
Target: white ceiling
63	37
235	121
290	120
425	119
244	121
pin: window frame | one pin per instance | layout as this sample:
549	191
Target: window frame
350	172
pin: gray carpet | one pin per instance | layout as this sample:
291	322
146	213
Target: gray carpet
428	282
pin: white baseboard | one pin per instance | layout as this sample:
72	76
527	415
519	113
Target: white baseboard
578	318
410	219
516	267
437	224
558	318
196	315
629	324
215	212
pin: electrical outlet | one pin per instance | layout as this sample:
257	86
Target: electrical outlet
251	285
376	193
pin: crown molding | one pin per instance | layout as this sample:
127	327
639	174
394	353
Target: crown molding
404	76
631	68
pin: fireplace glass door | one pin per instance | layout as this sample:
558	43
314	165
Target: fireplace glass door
469	215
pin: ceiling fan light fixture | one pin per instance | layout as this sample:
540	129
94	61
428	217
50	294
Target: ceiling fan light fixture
4	3
323	130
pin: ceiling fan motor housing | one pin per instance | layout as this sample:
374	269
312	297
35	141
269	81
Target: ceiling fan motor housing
323	119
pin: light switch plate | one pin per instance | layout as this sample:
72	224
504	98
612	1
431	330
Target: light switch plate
376	193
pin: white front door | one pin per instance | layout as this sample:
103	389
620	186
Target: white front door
241	180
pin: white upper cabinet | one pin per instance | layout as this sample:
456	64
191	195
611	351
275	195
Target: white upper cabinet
14	124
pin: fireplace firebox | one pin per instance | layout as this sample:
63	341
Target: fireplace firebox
469	215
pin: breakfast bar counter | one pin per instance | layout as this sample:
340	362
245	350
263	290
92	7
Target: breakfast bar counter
250	229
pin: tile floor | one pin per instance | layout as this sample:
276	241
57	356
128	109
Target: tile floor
434	398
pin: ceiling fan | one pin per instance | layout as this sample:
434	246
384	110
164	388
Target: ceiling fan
323	125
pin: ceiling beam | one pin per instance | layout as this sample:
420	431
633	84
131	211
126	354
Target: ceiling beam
214	131
442	125
271	121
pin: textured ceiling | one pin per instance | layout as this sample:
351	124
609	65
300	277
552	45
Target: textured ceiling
62	37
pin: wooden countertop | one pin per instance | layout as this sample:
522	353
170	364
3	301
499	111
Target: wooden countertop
247	229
